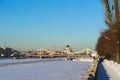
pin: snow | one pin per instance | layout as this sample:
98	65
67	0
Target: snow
84	60
112	69
43	69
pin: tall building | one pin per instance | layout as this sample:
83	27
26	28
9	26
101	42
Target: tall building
68	50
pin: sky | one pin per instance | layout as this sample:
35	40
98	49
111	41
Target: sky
50	24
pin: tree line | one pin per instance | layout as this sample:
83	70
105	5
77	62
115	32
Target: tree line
9	52
108	43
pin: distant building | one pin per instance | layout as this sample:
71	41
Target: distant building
68	50
94	54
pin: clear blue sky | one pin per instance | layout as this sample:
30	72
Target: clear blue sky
50	24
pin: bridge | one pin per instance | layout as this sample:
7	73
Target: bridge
78	54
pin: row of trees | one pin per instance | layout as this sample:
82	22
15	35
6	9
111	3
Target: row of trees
9	52
108	44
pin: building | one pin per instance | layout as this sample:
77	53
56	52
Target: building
68	50
94	54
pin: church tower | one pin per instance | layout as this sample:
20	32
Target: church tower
68	50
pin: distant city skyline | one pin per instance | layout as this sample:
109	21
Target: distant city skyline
50	24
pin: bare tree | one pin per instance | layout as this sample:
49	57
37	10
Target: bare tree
113	22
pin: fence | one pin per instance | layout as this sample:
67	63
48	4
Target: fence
92	71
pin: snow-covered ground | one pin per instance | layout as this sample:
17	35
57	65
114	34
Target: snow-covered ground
84	60
56	69
112	69
7	62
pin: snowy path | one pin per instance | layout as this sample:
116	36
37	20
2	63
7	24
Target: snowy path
55	70
112	69
108	70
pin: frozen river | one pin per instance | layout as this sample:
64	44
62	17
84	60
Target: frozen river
44	70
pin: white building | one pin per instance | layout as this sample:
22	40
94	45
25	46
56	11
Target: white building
94	54
68	50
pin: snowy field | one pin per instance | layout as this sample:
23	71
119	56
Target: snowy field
45	69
